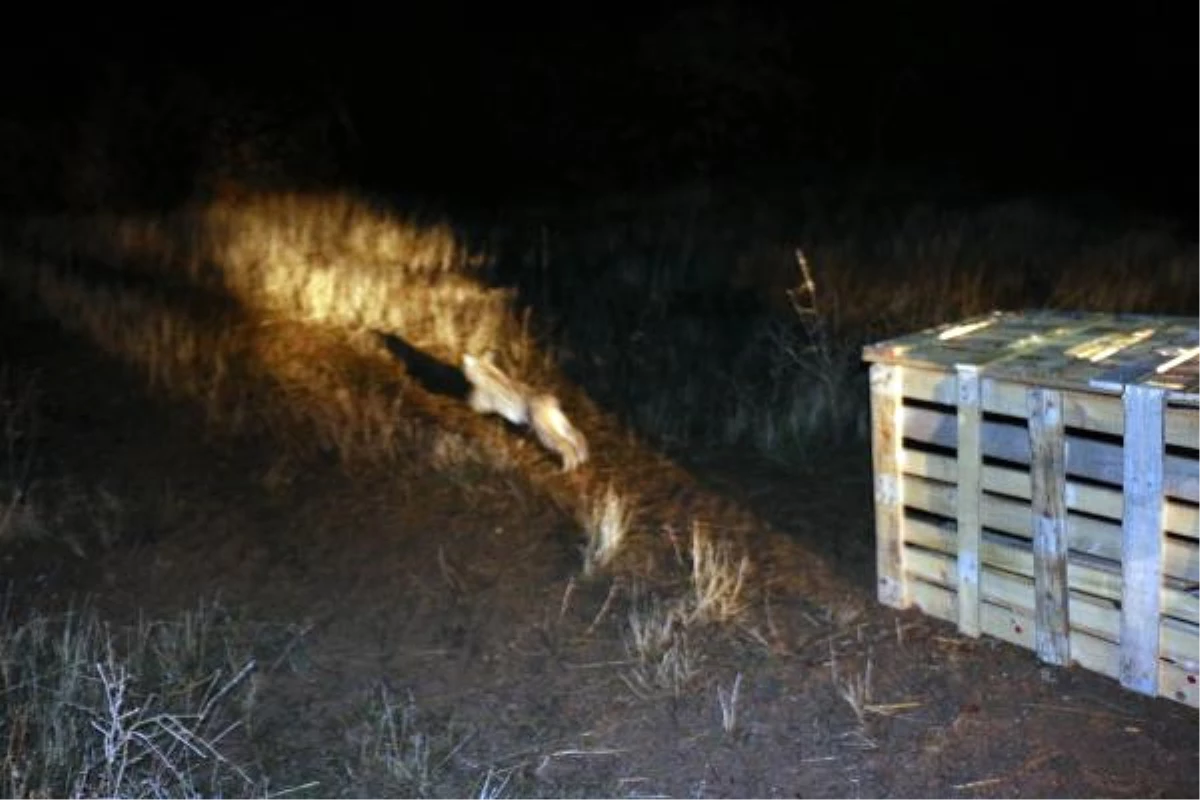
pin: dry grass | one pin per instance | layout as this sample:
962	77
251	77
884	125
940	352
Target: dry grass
147	711
728	702
939	265
658	642
718	579
606	526
855	689
403	750
329	259
403	753
659	631
259	310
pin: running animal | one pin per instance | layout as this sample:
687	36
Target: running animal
493	392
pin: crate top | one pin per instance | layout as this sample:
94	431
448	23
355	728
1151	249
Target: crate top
1069	350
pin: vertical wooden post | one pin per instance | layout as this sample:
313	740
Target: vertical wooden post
1048	477
1141	548
887	441
970	467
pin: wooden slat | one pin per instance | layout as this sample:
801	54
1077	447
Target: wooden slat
1142	551
889	501
1090	411
1179	518
969	464
1096	354
930	385
1138	364
1180	640
1093	412
1016	556
1049	507
1183	427
1084	534
1176	681
1086	458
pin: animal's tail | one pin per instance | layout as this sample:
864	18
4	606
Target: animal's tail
556	432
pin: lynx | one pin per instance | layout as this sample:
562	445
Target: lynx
493	392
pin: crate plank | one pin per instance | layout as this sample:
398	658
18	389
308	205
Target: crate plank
1086	535
1086	458
1098	413
1047	437
1180	641
1083	575
930	385
969	465
1064	350
889	503
1181	519
1175	681
1142	545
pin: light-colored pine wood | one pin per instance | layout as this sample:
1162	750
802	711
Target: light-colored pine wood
1183	427
930	385
969	465
886	448
1086	458
1049	529
1096	353
1094	537
1142	551
1084	575
1096	412
987	513
1101	413
1091	615
1179	518
1176	681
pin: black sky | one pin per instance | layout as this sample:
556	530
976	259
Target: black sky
1020	97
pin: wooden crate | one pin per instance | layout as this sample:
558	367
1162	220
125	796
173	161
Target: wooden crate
1036	479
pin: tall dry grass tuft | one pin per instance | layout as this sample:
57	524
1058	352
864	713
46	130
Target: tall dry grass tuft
719	578
606	525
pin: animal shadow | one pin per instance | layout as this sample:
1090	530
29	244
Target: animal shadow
434	375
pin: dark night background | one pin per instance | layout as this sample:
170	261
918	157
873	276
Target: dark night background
497	105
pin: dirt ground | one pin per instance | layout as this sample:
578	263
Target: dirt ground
464	592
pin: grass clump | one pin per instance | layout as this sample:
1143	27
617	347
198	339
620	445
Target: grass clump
155	709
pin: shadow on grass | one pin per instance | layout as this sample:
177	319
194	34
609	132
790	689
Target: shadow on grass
434	375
